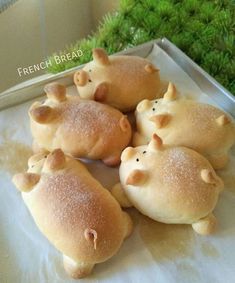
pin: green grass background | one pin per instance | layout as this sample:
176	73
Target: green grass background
204	30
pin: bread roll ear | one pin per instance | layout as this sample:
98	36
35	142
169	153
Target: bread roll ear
150	68
222	120
208	176
127	153
171	93
136	178
55	92
25	181
143	105
101	92
160	120
100	57
124	123
155	143
42	114
55	160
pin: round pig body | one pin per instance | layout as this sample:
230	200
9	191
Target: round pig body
120	81
170	185
76	214
81	128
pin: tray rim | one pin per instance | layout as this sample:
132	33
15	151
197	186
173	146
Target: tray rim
225	99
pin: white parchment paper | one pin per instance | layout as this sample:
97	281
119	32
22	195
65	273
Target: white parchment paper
154	253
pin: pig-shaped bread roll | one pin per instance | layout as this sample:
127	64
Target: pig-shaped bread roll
72	209
81	128
170	185
120	81
184	122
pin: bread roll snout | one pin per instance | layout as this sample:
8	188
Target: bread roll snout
81	78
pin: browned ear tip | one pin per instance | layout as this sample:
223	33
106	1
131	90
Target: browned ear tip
55	91
155	143
91	236
127	153
223	120
171	92
208	176
42	114
25	181
100	56
160	120
136	177
55	160
124	124
150	68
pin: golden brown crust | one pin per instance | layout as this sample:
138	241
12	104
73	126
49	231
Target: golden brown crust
77	215
198	126
83	128
129	79
180	185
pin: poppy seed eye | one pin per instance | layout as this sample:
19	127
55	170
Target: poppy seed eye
137	159
155	101
89	81
153	109
144	152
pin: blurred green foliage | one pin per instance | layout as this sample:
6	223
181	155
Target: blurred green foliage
204	30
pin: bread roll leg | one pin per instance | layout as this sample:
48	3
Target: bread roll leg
119	194
76	270
112	160
129	224
206	225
